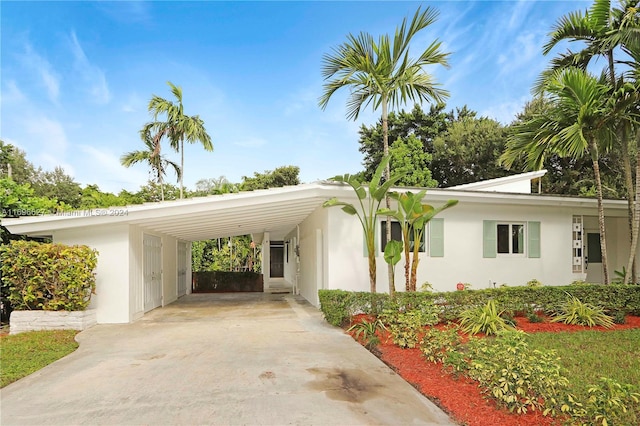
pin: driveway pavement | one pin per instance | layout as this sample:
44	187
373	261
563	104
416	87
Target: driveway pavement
247	359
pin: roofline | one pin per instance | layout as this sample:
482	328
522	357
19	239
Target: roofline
501	180
324	190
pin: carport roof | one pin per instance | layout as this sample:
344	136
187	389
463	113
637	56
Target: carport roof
276	210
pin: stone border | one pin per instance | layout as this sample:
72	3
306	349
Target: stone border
21	321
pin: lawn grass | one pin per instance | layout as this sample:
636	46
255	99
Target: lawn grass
589	355
24	353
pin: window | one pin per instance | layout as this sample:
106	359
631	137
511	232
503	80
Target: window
506	238
396	234
510	238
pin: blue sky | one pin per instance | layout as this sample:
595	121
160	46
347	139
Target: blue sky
76	77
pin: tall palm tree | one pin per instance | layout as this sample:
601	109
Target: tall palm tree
381	74
152	156
577	123
605	32
179	127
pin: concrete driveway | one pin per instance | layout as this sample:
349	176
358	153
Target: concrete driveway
246	359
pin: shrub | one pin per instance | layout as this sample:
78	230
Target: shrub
436	344
619	317
534	283
608	401
368	331
518	377
405	327
578	313
533	317
485	319
50	277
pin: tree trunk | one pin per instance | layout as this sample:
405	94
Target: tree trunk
603	240
407	259
387	176
636	222
181	166
628	183
371	252
161	182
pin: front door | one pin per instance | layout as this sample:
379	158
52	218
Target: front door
152	272
276	256
593	257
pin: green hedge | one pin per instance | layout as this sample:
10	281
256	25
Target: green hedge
50	277
338	305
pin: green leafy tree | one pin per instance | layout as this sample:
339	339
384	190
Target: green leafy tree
152	155
178	126
382	74
14	164
281	176
469	151
576	125
370	197
412	162
58	185
93	197
213	186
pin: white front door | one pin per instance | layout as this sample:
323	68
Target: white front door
593	256
152	272
182	269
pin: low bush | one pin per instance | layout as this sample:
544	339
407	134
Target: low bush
576	312
436	344
483	319
610	403
367	331
339	305
50	277
405	327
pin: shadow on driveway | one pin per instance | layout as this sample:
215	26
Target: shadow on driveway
243	358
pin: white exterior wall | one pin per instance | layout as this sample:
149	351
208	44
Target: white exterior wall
111	300
136	283
169	269
463	259
314	264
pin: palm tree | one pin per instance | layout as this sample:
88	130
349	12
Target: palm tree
383	75
178	127
152	156
577	123
605	31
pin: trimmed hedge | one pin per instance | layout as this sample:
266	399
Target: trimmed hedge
50	277
338	305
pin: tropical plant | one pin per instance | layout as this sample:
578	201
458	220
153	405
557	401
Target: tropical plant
606	32
413	217
370	197
152	156
368	332
483	319
608	401
177	126
575	312
392	255
577	123
382	74
405	327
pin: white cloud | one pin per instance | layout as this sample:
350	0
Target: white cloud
505	112
40	66
11	93
105	165
526	48
134	103
49	161
92	75
519	14
48	133
250	142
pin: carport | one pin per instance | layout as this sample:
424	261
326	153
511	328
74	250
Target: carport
144	250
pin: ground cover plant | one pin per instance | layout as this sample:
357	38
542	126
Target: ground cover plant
26	353
555	373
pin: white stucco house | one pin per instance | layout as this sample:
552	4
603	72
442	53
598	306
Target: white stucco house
498	233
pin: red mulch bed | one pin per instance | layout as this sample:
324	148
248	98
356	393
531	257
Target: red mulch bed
461	397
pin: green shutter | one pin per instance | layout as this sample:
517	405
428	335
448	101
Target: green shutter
534	239
489	238
436	237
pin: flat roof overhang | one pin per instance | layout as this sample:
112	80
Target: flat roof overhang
276	210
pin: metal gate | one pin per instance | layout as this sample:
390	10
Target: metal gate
152	271
182	269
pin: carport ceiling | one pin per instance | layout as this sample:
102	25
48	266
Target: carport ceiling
276	210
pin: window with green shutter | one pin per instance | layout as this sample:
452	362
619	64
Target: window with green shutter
489	238
436	237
